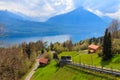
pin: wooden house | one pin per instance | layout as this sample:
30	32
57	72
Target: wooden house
43	61
93	48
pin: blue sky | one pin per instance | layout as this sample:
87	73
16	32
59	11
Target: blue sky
44	9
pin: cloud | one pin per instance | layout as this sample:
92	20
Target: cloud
115	15
42	9
109	8
105	5
97	12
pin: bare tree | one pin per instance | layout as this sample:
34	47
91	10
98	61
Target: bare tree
114	28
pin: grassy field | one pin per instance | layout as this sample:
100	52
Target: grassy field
69	72
53	72
45	73
93	59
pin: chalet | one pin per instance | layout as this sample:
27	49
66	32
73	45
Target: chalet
43	61
93	48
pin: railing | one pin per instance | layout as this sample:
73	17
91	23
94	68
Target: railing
96	69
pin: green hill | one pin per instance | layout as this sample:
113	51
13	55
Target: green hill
94	59
68	72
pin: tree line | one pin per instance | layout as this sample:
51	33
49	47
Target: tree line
111	41
15	61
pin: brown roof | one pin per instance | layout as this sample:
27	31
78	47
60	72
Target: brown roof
92	46
43	60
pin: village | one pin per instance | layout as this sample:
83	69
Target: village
44	61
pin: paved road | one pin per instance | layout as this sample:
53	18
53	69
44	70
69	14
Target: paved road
35	67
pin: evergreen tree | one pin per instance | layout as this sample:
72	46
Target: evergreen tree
55	56
107	46
42	51
70	45
51	46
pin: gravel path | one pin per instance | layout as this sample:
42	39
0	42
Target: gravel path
33	70
35	67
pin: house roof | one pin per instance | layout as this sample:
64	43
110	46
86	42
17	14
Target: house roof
92	46
43	60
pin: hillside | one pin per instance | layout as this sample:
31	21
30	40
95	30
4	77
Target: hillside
97	61
68	72
52	72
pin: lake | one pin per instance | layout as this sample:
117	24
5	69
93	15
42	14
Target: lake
7	41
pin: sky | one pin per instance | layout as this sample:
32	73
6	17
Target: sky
42	10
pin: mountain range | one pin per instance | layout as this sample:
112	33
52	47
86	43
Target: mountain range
79	24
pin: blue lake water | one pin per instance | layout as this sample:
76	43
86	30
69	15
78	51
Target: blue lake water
12	41
7	41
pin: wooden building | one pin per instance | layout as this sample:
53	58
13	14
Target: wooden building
43	61
93	48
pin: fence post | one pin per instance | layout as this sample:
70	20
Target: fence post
102	68
95	68
111	70
73	60
91	59
80	59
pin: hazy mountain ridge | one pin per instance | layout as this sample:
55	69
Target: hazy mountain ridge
79	23
17	26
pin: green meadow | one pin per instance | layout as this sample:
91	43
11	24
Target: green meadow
68	72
